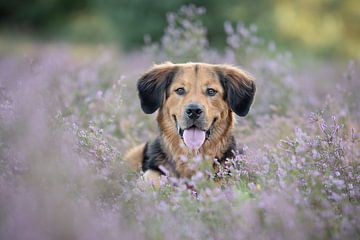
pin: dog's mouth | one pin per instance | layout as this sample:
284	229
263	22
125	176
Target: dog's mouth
194	136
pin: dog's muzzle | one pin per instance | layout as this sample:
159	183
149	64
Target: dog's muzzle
194	135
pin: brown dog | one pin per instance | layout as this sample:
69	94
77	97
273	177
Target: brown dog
196	102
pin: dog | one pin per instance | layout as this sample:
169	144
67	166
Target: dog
196	103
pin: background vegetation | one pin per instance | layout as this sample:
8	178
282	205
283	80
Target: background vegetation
69	111
324	27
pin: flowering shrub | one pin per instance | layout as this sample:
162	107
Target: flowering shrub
65	124
184	38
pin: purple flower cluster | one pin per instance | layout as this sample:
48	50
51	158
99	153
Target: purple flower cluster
66	121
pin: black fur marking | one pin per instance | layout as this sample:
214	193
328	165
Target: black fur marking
154	157
145	160
196	69
230	152
151	88
238	95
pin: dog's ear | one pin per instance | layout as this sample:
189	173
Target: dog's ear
239	88
153	84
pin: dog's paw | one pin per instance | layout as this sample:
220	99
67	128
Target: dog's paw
151	178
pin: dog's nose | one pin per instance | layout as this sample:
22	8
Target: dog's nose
193	111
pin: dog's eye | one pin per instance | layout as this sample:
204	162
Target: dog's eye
211	92
180	91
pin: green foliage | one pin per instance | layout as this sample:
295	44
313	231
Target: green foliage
39	14
327	28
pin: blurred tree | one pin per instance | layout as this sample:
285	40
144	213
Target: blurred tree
326	27
134	19
131	20
38	14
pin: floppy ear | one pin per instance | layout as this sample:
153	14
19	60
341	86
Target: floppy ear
153	84
239	88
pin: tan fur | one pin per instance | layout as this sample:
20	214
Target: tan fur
195	78
152	177
133	158
216	107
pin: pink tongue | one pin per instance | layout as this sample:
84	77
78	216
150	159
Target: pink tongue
194	138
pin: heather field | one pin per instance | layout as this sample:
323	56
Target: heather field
69	113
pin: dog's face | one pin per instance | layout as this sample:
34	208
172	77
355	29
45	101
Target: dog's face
195	97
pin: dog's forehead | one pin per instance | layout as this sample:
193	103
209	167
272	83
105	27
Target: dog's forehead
199	73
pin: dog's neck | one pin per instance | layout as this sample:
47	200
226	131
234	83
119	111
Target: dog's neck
215	147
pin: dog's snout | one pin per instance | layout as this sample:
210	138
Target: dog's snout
194	111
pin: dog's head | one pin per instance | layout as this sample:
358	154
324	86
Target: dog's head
195	97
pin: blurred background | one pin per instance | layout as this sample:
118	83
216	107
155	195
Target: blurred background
69	111
320	28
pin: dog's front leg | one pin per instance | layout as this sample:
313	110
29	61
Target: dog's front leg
152	177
